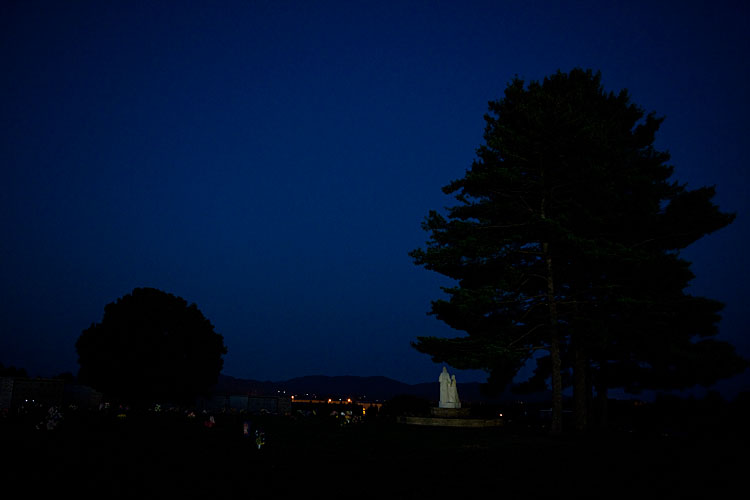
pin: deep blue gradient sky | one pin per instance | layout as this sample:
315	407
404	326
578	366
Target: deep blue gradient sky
272	161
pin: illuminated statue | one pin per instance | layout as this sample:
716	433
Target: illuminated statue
453	395
448	390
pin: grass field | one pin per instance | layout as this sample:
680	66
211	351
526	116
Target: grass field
174	456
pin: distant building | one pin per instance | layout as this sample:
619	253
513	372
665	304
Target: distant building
277	405
6	392
339	404
16	392
82	396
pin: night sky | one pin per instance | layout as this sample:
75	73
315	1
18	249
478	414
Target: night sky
272	161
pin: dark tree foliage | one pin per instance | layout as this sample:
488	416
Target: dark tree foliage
151	346
67	377
12	371
566	237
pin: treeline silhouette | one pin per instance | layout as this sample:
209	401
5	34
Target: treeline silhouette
12	371
710	416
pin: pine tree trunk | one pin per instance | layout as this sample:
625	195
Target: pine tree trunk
581	380
601	395
589	395
554	350
580	387
556	383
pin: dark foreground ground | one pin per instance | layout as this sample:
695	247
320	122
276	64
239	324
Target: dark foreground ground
167	455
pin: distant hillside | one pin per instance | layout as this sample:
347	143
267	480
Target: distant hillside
367	388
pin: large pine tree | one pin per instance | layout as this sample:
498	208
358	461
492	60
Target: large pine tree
566	237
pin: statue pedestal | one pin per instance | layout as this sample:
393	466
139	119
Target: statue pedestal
450	412
451	417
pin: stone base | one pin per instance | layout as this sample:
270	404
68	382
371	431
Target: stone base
451	417
450	412
451	422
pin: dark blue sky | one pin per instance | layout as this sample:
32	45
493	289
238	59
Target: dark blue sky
272	161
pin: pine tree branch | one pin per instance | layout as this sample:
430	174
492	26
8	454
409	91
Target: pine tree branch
529	332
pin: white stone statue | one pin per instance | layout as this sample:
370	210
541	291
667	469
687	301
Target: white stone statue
448	390
453	396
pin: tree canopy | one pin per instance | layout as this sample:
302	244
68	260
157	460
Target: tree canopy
566	237
12	371
151	346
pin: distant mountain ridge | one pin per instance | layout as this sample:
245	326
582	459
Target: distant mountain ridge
375	388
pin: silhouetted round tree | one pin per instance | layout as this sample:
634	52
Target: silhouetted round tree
151	346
